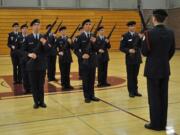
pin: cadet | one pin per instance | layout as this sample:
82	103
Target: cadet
159	47
78	52
103	45
86	42
51	56
23	59
13	45
130	45
37	48
64	46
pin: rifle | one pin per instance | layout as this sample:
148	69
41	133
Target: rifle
99	24
55	32
109	36
141	16
92	28
50	29
74	31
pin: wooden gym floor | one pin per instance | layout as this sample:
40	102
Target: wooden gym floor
67	114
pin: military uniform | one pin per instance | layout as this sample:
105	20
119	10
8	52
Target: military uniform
23	59
65	61
102	60
12	41
52	58
133	61
78	53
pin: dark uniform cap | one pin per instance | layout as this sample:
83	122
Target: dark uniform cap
24	25
15	24
49	25
86	21
35	21
62	28
101	27
131	23
80	28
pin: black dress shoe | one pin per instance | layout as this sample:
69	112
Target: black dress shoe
107	84
149	126
138	95
43	105
131	95
70	87
87	100
99	85
35	106
95	99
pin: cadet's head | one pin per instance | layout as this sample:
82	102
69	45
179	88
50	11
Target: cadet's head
48	26
15	26
62	30
86	24
24	28
101	30
131	26
81	30
159	16
35	24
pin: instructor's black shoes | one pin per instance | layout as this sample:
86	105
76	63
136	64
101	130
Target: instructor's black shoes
149	126
43	105
35	106
131	95
87	100
138	95
95	99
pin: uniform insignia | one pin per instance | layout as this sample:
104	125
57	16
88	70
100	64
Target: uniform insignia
130	40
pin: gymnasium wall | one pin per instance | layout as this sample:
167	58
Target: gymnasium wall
71	18
173	22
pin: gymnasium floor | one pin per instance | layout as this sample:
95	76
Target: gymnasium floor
67	114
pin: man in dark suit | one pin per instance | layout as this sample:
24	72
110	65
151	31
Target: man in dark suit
86	42
78	52
103	45
22	56
159	47
13	45
64	46
130	45
51	56
36	52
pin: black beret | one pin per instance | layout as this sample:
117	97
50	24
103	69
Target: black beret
15	24
24	25
35	21
99	28
80	28
160	12
131	23
49	25
86	21
62	28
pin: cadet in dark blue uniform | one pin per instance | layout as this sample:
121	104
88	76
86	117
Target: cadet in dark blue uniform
22	56
78	52
103	45
64	46
13	45
36	52
51	56
130	45
86	42
159	47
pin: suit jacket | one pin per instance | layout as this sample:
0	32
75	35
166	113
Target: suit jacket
102	44
131	42
33	45
52	41
158	47
64	46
